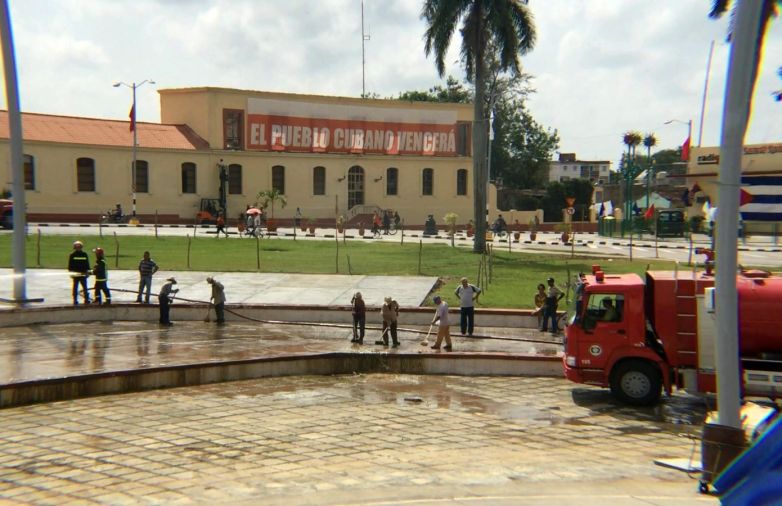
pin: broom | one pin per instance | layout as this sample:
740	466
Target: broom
425	342
208	311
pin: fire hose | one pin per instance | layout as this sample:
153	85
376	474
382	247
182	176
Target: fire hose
342	325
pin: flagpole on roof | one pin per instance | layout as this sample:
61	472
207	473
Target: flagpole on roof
738	96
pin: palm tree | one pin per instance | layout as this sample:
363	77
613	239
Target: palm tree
768	11
508	25
649	141
270	197
631	139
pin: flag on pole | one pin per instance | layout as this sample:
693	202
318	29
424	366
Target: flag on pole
609	209
602	209
761	198
649	214
132	116
686	150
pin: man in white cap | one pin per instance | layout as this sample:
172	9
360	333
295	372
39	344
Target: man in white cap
79	267
218	299
443	331
390	313
165	296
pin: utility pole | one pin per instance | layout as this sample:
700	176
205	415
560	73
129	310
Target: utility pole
364	37
17	154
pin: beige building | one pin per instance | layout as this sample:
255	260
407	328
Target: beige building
758	161
325	154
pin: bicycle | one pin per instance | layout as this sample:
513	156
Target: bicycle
394	228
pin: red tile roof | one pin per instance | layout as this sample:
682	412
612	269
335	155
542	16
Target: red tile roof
103	132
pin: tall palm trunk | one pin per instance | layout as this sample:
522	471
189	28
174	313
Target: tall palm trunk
480	171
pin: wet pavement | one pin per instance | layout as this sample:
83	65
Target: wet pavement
37	352
356	439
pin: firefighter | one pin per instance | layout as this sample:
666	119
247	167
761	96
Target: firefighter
79	267
101	277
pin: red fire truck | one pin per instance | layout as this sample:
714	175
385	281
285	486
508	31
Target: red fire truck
638	337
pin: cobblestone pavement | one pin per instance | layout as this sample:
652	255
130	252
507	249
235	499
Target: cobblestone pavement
362	439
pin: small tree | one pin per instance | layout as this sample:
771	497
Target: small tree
271	196
450	220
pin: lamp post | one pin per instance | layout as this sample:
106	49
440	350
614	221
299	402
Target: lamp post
134	128
689	127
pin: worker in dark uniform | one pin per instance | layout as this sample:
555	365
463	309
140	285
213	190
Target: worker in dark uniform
101	277
79	267
165	296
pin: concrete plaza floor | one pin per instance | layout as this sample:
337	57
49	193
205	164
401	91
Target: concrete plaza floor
359	439
335	439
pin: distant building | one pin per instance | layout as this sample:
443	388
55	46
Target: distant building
327	155
570	167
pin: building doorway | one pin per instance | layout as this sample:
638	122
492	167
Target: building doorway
355	186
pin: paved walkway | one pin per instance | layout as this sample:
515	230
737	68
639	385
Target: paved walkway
54	286
347	440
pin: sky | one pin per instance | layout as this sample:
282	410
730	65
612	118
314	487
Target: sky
599	67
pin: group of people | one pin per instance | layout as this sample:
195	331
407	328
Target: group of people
546	304
385	220
467	293
79	267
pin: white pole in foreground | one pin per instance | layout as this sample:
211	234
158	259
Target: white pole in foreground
735	114
17	173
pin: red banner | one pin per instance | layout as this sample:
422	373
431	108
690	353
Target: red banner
319	135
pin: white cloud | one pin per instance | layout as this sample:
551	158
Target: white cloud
601	67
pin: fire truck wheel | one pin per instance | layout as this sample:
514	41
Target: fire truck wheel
636	382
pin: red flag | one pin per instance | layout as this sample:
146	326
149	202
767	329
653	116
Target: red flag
649	214
686	150
132	116
745	197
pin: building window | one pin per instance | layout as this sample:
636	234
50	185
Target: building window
85	175
235	179
188	177
428	182
29	172
233	123
319	181
278	178
564	167
461	182
392	181
142	176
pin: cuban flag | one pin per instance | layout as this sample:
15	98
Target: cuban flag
761	198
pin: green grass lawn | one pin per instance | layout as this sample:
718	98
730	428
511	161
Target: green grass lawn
513	282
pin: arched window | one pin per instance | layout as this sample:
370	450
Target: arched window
29	172
188	177
427	187
392	181
85	175
319	181
142	176
235	179
355	186
278	178
461	182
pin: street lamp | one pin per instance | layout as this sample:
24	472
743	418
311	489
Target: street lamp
133	86
689	127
